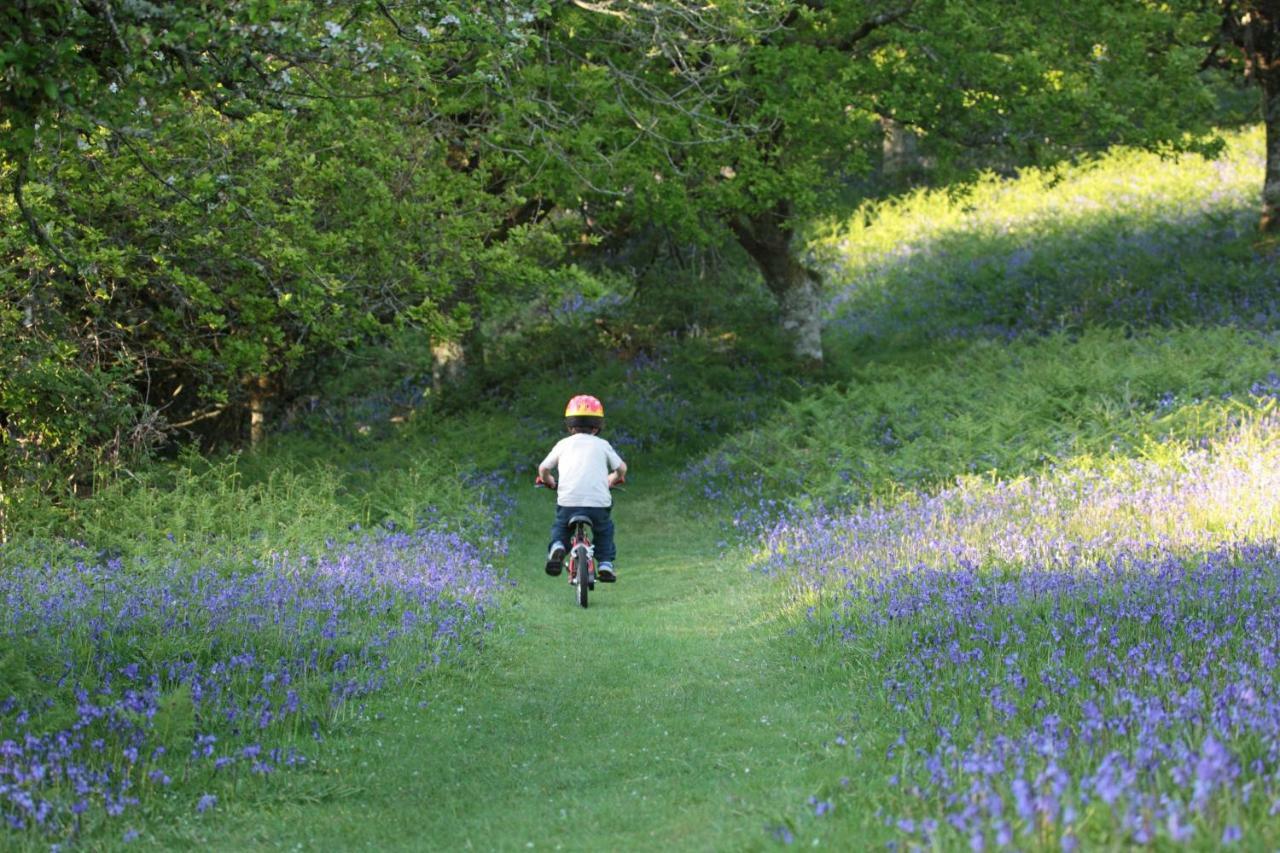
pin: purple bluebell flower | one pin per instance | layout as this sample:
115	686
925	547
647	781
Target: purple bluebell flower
256	633
1140	658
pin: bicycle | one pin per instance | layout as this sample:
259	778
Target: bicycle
580	557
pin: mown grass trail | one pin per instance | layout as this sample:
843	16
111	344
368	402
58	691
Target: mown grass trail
673	713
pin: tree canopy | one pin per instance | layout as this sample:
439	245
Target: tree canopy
745	118
207	201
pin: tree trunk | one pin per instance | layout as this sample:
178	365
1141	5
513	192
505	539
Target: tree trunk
259	392
900	165
770	241
448	363
1270	222
1254	27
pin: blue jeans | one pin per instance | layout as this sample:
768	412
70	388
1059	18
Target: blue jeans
601	528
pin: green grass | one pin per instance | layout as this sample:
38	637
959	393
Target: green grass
694	705
1126	240
1122	186
927	417
667	713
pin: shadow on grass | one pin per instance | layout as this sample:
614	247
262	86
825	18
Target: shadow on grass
919	418
1109	269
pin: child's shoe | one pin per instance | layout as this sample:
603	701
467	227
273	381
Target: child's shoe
605	573
555	558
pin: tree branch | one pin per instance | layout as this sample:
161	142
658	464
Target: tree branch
105	7
602	7
203	416
874	23
33	224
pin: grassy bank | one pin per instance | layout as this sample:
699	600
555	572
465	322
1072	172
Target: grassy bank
1045	567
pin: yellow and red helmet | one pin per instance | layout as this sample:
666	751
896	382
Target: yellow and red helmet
584	412
584	406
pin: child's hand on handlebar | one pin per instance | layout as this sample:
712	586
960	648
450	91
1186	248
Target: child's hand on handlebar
548	482
616	479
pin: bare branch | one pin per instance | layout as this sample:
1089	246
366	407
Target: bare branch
874	23
604	7
866	28
104	6
203	416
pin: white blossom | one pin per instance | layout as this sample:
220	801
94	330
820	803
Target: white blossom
334	28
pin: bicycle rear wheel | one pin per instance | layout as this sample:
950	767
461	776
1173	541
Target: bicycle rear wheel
582	571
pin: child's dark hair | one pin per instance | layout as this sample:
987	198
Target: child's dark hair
582	423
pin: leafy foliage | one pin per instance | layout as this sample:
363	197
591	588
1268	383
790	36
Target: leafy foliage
743	119
940	331
212	208
192	260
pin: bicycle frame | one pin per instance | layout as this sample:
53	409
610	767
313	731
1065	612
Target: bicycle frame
581	557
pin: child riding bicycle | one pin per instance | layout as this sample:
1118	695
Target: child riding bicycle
588	467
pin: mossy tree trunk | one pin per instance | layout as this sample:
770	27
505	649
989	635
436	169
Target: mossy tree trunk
448	363
259	395
1270	222
1253	26
769	238
901	165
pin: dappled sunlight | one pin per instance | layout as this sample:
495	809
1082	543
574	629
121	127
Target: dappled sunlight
1198	497
950	510
1129	239
1138	185
1081	656
1008	410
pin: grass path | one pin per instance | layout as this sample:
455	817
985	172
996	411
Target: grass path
694	723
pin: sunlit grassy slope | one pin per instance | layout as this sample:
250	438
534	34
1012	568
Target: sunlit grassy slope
1021	322
1129	239
1071	645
